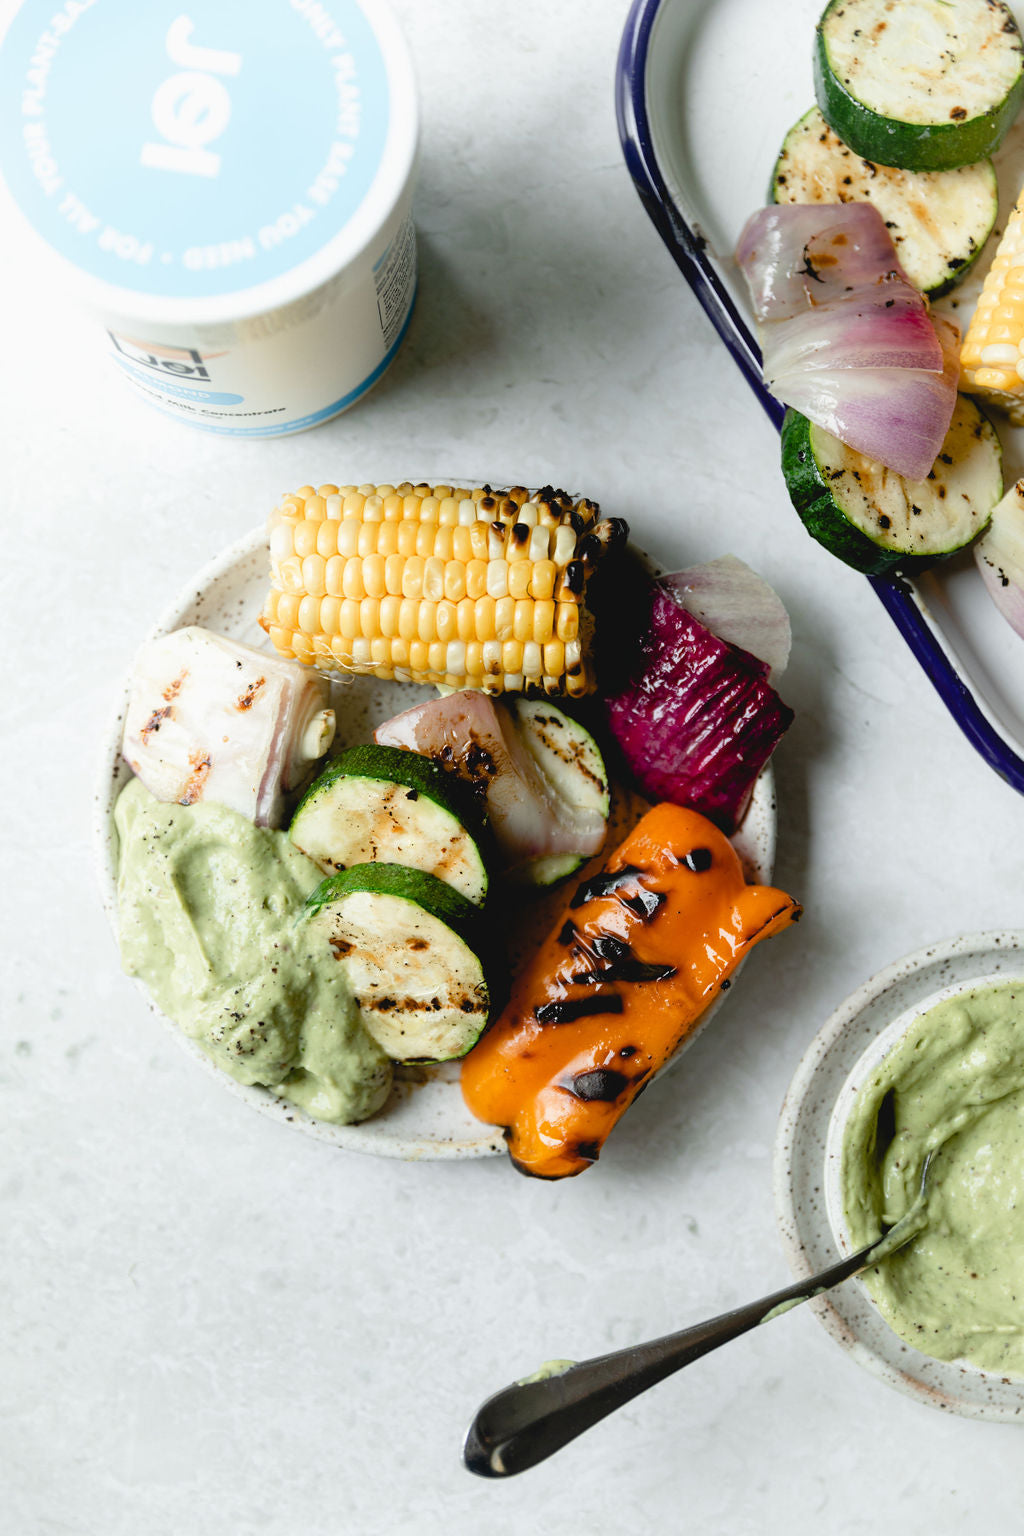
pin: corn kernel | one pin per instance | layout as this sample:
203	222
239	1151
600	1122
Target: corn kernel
447	621
330	615
369	617
349	620
455	580
352	579
532	660
543	621
426	623
387	539
394	570
478	540
456	658
412	577
288	610
519	576
418	656
305	539
313	568
554	658
522	622
497	578
389	610
374	580
542	582
484	620
466	619
476	578
567	625
348	538
409	619
282	540
327	539
433	578
504	618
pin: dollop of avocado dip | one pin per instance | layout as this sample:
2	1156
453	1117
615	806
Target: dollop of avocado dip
954	1084
207	906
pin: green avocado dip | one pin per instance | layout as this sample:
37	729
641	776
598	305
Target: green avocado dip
207	905
954	1083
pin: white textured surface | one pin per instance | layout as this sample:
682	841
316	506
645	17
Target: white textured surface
213	1327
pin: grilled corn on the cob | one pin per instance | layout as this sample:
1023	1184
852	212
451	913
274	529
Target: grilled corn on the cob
434	584
992	355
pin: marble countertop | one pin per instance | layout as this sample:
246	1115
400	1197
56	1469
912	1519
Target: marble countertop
213	1325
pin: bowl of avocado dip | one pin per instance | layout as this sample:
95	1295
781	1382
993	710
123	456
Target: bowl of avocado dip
927	1057
946	1078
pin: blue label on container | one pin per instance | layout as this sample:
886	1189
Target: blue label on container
189	150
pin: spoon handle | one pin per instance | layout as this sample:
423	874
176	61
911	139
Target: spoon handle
526	1422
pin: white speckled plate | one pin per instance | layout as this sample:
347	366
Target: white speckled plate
425	1116
801	1174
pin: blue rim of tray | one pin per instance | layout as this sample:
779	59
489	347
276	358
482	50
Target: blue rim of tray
688	250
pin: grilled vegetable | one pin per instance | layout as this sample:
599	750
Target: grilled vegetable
211	719
694	718
410	949
381	805
875	520
993	351
938	220
847	340
925	85
999	556
432	584
636	957
538	773
738	606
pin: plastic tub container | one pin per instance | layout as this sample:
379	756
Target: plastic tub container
227	188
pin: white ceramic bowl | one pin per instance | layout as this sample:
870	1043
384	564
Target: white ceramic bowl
808	1146
425	1116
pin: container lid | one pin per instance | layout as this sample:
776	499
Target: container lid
200	163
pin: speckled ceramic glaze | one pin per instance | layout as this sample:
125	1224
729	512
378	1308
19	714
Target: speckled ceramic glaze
808	1147
425	1116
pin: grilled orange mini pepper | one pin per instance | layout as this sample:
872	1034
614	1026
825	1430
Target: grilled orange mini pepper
635	959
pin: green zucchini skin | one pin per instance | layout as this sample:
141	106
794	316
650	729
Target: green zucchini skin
939	220
387	804
816	496
408	921
940	145
810	494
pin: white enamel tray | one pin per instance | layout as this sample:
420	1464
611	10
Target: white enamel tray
706	91
425	1116
802	1175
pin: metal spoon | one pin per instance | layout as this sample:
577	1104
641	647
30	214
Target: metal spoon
530	1420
